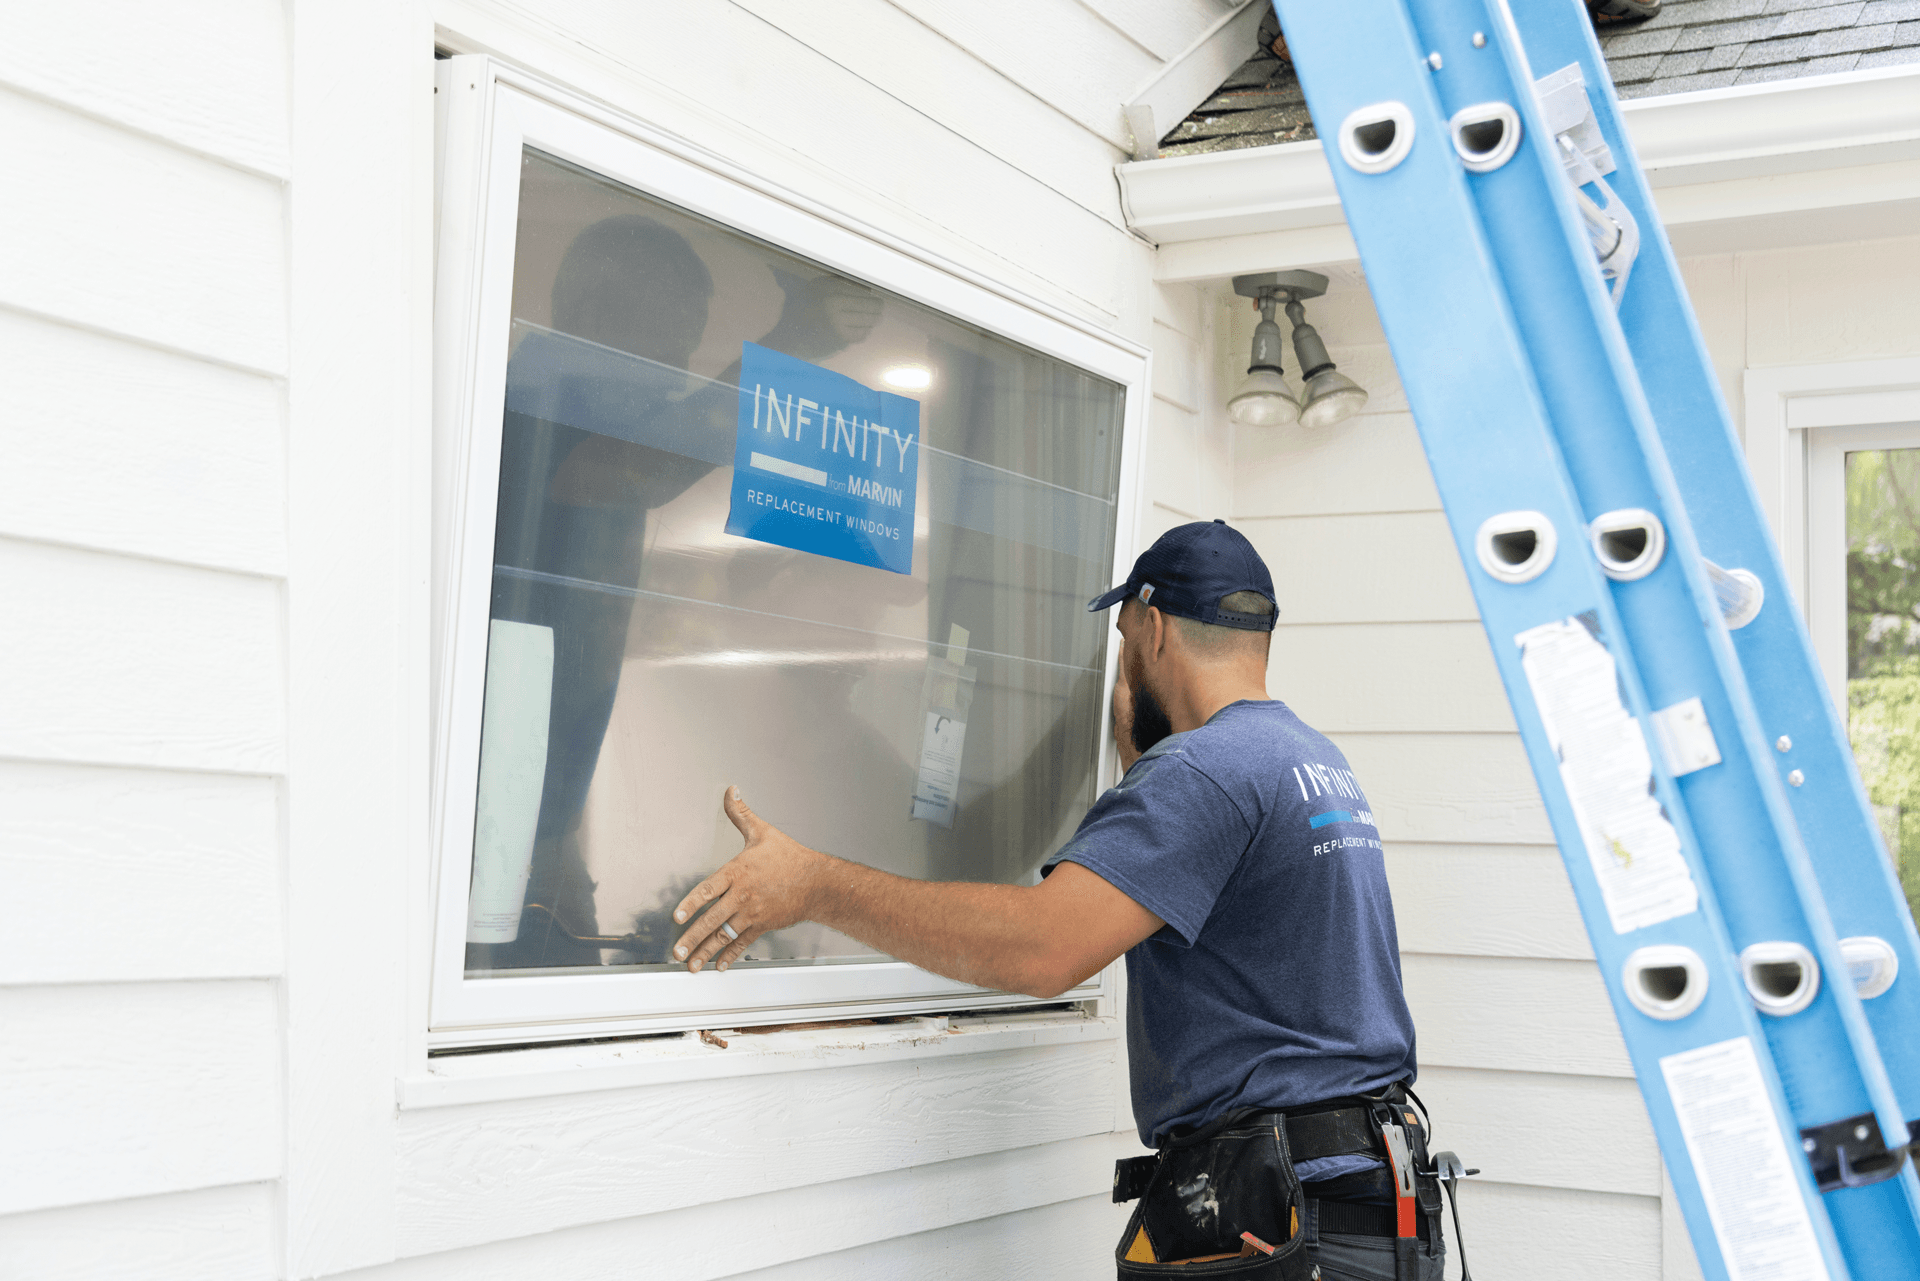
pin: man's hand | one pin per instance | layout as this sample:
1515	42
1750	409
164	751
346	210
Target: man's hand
766	886
1039	939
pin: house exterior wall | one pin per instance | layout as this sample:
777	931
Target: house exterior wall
1380	646
216	292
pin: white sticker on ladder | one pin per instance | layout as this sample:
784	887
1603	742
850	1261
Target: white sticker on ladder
1606	768
1734	1143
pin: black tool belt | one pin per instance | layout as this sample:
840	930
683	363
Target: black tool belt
1202	1192
1244	1162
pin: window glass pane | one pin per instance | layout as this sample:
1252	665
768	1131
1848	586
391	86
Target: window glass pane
939	723
1883	644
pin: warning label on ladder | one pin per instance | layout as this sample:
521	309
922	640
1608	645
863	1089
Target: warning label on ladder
1733	1138
1607	771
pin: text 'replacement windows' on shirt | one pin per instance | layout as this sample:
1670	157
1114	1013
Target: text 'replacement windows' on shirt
760	523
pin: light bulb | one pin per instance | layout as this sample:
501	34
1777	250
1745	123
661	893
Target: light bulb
1331	397
908	377
1263	400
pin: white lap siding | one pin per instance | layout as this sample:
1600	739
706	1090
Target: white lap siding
143	296
216	257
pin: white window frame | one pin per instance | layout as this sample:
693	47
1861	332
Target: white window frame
1801	422
489	113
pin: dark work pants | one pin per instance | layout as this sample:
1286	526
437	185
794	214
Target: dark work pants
1347	1257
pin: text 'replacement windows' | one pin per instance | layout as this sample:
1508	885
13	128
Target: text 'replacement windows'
759	523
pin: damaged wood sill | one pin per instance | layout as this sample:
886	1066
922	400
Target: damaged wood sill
542	1071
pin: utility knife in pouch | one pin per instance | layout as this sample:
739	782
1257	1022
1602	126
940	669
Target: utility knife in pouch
1206	1190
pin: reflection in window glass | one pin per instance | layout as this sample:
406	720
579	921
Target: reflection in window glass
938	723
1883	644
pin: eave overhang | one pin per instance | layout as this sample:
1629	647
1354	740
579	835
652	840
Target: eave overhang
1758	166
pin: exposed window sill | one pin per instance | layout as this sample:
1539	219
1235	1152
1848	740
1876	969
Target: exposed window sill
577	1069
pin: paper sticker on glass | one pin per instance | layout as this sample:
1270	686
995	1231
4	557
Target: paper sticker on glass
822	464
924	697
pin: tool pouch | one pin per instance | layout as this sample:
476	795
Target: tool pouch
1205	1190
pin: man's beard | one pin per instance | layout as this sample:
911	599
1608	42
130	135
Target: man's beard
1150	723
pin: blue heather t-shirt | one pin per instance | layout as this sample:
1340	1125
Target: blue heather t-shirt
1276	980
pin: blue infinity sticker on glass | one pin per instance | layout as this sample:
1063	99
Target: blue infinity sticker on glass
823	464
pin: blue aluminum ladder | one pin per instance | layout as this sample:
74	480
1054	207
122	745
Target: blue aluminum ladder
1579	444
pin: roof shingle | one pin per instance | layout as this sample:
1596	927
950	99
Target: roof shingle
1689	45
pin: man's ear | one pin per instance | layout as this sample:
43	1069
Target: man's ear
1157	633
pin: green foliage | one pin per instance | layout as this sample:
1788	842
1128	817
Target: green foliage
1883	719
1883	555
1883	645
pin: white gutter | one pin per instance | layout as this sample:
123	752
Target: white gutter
1716	157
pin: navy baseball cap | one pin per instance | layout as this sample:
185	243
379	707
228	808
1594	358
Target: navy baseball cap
1190	569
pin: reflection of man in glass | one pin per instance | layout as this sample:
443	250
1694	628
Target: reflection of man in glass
591	441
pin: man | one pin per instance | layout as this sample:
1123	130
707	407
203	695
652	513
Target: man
1237	867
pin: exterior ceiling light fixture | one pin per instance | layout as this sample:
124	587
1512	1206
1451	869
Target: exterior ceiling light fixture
1263	399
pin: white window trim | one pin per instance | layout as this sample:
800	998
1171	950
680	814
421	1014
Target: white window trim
1784	404
489	113
540	1072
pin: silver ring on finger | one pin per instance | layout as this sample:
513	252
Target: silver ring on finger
726	928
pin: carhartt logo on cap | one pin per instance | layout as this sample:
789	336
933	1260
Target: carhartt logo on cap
1146	593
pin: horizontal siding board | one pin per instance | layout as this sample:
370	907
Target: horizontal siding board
216	1234
1513	1015
1392	568
124	875
929	75
118	661
1584	1133
132	1090
1052	49
1371	463
1390	678
829	134
495	1171
1172	471
119	446
127	234
1176	367
802	1222
1181	308
1069	1241
1467	900
1555	1234
1471	788
211	75
1166	28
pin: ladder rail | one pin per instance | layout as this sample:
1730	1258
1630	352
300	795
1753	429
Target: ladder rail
1482	399
1567	321
1877	1225
1856	876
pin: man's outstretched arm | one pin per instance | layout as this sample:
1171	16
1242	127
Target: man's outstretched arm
1036	939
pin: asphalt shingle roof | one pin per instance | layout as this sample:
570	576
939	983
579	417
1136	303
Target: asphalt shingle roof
1688	45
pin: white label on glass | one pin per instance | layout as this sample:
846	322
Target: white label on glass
936	791
513	770
1607	771
1734	1141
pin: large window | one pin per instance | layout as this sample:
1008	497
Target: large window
734	495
